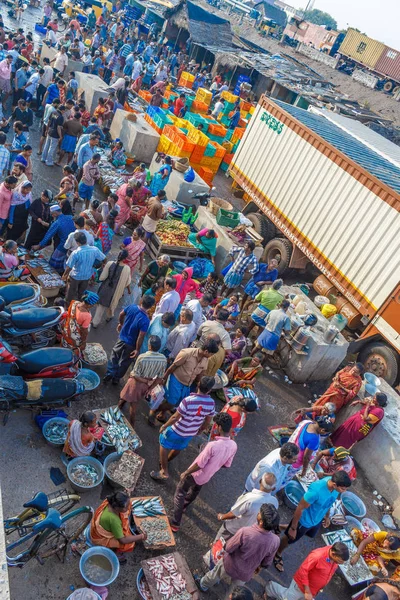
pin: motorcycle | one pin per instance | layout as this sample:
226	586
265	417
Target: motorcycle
19	295
40	364
17	393
30	327
200	199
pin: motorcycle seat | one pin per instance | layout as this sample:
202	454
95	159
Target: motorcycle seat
39	501
16	293
51	521
37	360
30	318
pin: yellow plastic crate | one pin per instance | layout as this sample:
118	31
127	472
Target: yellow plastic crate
174	150
164	144
187	76
231	98
204	95
198	137
251	111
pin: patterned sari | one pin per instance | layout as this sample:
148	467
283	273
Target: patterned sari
102	537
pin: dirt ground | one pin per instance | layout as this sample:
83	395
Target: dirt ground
374	100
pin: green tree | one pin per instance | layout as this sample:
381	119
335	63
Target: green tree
319	17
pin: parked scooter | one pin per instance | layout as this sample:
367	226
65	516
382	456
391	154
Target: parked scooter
39	364
30	327
20	295
17	393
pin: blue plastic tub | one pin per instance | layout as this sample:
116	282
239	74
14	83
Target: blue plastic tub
89	379
109	555
86	460
353	505
293	494
48	424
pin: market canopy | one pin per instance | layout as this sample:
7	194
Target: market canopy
206	28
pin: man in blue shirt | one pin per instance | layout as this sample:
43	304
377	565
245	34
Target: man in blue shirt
86	151
312	510
133	324
79	267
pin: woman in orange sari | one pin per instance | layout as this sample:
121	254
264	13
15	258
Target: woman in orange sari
135	247
110	525
344	387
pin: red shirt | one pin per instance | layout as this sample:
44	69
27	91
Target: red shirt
316	571
53	25
179	104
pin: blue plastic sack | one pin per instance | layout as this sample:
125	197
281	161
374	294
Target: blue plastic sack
201	267
226	269
189	175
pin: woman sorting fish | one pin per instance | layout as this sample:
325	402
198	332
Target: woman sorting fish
81	436
110	525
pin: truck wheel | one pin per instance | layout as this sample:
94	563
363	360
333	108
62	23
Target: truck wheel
388	86
381	360
396	89
263	226
280	249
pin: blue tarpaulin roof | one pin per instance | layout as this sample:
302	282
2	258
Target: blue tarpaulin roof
364	156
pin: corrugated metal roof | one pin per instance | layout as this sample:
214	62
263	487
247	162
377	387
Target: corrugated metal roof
364	156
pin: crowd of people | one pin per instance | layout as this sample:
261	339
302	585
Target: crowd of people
182	333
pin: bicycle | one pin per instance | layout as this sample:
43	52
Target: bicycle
36	509
49	536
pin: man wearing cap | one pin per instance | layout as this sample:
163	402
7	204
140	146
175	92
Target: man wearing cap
327	462
79	267
5	77
97	63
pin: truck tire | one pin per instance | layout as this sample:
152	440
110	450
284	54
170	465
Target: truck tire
381	360
263	226
388	86
281	249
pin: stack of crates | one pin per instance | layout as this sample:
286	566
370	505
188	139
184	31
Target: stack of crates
145	95
199	107
217	132
196	120
186	80
203	95
180	145
157	118
200	140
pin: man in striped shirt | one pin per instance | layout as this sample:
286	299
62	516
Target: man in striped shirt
193	415
79	267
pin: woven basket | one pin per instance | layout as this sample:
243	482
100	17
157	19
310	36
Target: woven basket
217	203
181	164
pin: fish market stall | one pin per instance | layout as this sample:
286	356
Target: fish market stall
356	574
171	238
49	280
123	470
309	355
168	578
149	516
118	431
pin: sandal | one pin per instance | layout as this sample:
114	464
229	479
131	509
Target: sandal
157	476
278	563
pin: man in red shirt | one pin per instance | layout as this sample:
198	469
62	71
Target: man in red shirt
312	575
179	104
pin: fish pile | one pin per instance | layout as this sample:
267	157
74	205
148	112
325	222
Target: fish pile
84	475
57	433
118	433
157	531
358	572
148	508
144	588
169	582
309	477
94	354
50	280
125	470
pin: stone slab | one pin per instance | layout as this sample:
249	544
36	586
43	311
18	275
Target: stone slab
93	87
139	139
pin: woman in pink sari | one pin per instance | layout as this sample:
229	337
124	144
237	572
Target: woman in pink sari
124	194
358	426
135	247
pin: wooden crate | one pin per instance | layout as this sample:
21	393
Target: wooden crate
183	569
139	520
183	253
98	411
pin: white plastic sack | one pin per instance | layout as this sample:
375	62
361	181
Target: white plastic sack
156	397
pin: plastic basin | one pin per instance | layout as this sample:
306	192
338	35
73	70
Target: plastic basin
293	494
93	592
370	525
139	578
109	555
107	461
352	523
89	379
372	379
86	460
48	424
353	505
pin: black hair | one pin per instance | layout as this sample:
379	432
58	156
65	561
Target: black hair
80	221
250	244
68	169
222	314
361	368
210	346
80	238
208	298
87	417
206	384
188	314
96	156
148	302
95	203
341	550
66	207
241	593
162	193
223	420
168	318
394	542
381	399
3	138
214	276
269	517
20	165
243	329
118	499
341	479
154	343
171	282
289	450
10	179
113	270
324	423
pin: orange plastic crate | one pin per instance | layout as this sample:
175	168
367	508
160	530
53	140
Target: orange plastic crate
228	158
219	130
172	133
199	107
145	95
185	83
151	122
175	150
197	154
239	132
246	106
220	153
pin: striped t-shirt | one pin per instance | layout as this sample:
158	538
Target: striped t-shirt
193	410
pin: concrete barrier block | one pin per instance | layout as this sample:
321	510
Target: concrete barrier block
139	139
366	79
93	87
